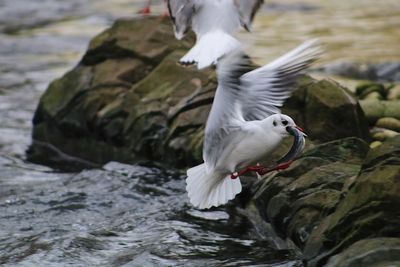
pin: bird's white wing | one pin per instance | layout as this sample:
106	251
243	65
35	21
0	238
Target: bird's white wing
265	89
247	10
225	116
181	13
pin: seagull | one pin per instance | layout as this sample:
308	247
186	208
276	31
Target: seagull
214	23
245	124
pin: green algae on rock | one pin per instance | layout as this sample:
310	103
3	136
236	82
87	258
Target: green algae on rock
335	199
296	200
327	111
369	209
369	252
127	95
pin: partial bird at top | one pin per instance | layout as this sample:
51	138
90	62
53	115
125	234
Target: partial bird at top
214	23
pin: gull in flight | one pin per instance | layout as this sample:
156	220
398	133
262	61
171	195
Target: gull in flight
245	124
214	22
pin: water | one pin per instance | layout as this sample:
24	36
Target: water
133	215
119	216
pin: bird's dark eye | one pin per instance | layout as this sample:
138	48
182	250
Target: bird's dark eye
285	122
274	123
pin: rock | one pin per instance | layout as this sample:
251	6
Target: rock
376	109
365	89
383	134
125	102
296	200
369	252
327	111
375	144
369	209
389	123
394	93
353	70
373	96
387	71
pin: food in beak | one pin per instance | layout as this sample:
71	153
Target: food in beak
298	144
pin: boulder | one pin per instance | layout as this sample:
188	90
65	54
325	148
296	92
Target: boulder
369	252
127	100
369	209
297	199
327	111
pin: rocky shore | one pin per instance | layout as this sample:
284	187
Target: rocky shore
128	101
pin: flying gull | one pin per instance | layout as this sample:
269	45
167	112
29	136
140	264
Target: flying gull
245	124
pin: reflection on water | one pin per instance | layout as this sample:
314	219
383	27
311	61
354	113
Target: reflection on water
129	215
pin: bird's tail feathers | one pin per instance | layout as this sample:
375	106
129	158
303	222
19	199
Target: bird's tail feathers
209	48
209	189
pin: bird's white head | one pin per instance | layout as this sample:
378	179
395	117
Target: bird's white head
279	123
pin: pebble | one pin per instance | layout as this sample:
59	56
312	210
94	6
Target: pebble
384	134
394	93
375	144
389	123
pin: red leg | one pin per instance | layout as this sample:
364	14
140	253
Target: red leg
281	166
146	10
248	169
261	170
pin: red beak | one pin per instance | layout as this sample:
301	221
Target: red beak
301	130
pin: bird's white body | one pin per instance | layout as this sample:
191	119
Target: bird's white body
256	140
215	15
244	124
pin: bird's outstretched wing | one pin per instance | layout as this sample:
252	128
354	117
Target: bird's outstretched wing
265	89
181	12
247	10
244	94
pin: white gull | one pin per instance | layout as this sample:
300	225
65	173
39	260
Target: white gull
245	124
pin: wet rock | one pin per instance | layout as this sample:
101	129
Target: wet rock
327	111
296	200
124	101
369	252
369	209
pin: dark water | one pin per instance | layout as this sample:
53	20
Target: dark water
119	215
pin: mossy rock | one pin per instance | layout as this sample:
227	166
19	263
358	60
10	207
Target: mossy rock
363	90
327	111
296	200
369	210
369	252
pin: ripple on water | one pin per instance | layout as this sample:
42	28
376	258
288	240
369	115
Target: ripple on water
105	217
